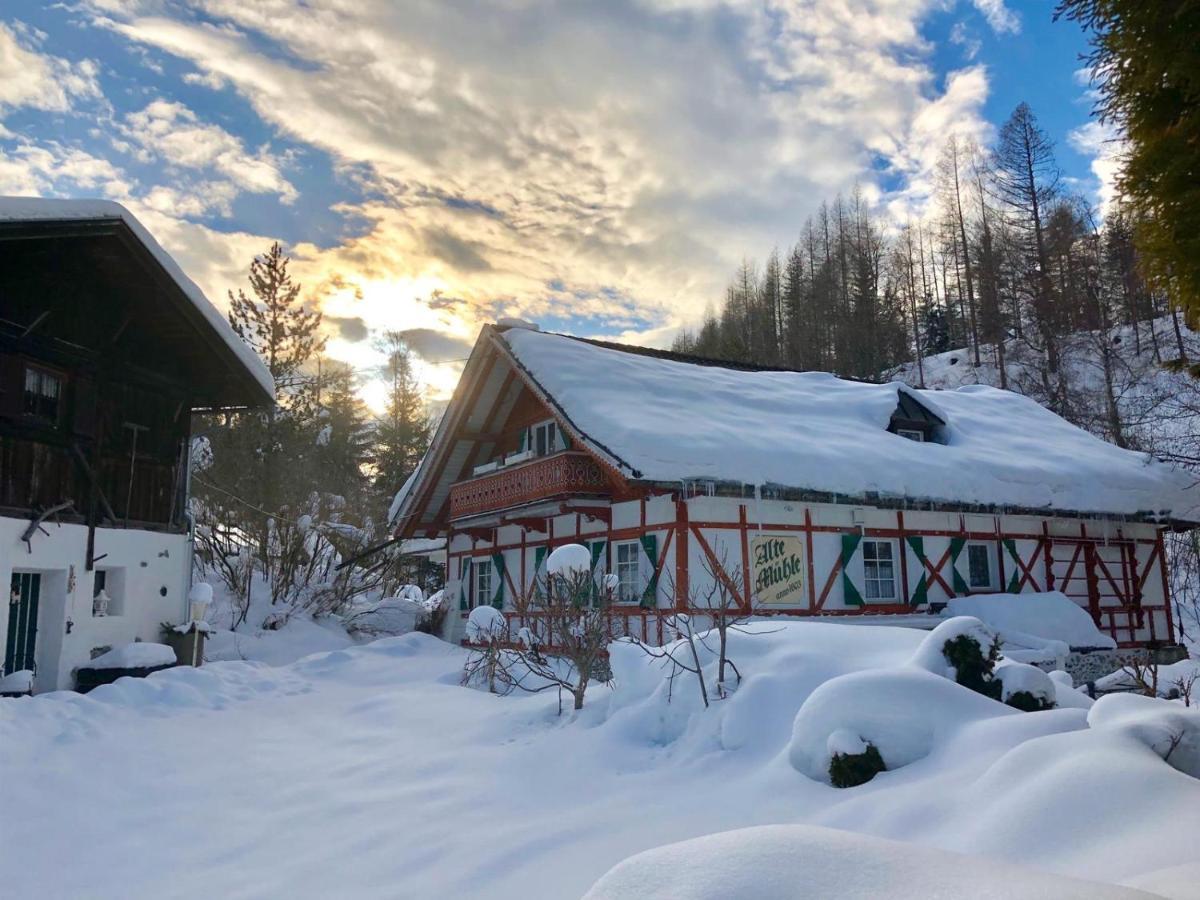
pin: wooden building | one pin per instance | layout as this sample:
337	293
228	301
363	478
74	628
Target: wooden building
800	493
106	349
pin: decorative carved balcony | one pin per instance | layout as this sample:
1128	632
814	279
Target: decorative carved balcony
566	474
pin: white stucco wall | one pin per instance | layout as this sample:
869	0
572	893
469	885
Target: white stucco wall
148	582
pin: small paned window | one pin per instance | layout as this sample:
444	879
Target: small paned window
628	570
484	589
43	393
879	570
912	434
979	567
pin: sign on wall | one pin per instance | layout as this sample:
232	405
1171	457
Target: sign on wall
778	570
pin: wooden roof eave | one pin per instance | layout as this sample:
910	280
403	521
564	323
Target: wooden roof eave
409	514
490	347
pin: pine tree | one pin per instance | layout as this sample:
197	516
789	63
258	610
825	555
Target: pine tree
402	433
274	323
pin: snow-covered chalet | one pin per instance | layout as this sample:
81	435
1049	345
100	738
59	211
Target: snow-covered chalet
802	493
106	349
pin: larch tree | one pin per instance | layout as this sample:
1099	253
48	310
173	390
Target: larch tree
1027	181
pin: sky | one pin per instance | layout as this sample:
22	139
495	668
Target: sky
596	166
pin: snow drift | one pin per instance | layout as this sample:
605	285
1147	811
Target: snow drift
785	862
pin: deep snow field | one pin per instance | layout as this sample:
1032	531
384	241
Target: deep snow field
369	772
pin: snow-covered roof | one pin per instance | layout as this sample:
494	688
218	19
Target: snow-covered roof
662	419
41	209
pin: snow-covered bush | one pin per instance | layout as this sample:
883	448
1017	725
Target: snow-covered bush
956	650
1025	687
852	761
487	630
904	712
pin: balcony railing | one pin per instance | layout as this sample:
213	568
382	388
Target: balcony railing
568	473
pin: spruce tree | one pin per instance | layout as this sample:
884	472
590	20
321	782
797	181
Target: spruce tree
402	433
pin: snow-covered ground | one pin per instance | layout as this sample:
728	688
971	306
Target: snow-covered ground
369	771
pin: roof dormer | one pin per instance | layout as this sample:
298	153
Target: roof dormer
915	421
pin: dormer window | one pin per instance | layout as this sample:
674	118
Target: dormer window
913	421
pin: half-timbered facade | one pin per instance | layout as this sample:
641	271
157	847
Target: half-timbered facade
783	493
106	348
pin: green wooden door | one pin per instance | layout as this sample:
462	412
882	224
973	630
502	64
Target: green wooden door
20	647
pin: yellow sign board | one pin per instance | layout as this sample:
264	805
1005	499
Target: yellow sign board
778	570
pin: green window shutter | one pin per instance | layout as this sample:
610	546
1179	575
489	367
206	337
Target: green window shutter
1015	579
597	548
850	594
464	583
539	560
524	440
498	572
650	548
920	594
956	548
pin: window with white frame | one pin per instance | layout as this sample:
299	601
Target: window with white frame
980	574
912	434
879	571
481	574
628	570
543	438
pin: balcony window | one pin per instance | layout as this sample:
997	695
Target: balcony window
543	438
43	392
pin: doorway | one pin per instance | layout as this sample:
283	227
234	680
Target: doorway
21	645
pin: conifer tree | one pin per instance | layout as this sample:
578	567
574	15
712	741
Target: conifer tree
402	433
1146	63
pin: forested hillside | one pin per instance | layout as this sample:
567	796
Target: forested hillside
1011	279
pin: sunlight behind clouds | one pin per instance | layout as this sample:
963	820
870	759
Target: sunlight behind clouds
600	166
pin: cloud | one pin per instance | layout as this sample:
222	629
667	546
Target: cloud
52	168
349	328
1002	19
1106	146
643	145
436	346
172	132
32	79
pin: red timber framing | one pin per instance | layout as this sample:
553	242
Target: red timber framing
1104	574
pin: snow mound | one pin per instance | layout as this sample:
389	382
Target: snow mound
138	655
485	624
1050	616
1172	731
200	592
785	862
929	655
904	712
390	616
19	682
568	560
